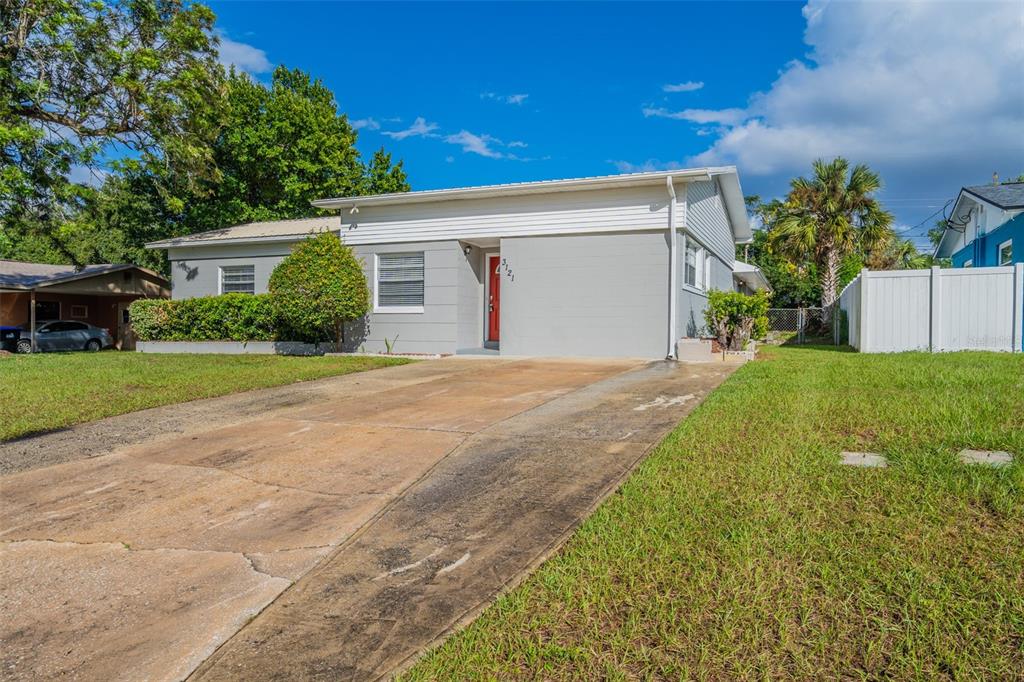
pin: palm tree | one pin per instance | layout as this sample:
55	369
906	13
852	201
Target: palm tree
896	254
829	216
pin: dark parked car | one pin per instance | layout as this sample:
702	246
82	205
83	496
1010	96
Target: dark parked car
65	335
9	338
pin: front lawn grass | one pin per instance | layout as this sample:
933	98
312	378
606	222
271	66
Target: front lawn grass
47	391
741	549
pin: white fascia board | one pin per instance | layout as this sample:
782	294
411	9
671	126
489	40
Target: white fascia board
185	243
943	249
732	194
514	189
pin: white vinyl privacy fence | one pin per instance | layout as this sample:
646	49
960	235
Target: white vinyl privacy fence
936	309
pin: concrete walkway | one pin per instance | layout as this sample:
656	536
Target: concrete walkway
332	537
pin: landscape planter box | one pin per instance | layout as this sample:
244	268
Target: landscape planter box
235	347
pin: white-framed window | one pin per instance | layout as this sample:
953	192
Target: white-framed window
399	283
696	265
1005	252
238	279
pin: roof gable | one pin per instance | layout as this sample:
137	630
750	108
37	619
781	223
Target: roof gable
23	275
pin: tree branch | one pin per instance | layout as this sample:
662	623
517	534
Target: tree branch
79	127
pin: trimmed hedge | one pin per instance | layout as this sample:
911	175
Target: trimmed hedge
229	317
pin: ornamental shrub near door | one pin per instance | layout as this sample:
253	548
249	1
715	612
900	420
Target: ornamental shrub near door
318	288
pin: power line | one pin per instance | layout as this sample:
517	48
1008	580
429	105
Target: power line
910	229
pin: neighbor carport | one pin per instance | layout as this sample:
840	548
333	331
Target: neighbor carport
96	294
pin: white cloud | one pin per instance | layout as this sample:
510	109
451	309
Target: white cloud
476	144
929	94
369	123
507	99
242	56
702	116
647	166
481	144
419	128
688	86
487	146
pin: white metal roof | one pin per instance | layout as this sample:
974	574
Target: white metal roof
751	275
516	188
262	231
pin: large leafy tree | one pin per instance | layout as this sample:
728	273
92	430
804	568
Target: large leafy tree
829	216
383	177
279	148
78	78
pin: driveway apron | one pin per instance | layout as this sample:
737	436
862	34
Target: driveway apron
333	537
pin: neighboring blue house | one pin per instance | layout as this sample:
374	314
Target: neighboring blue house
986	227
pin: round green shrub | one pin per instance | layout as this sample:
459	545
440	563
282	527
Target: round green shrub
318	288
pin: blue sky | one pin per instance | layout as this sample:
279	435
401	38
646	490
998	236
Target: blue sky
475	93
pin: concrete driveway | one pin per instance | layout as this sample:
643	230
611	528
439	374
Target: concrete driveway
332	536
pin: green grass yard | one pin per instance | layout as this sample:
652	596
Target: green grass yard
53	390
741	549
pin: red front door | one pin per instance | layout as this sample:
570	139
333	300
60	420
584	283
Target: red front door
493	297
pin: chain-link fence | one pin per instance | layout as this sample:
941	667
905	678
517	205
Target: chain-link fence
803	325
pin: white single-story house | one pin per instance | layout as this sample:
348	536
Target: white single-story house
602	266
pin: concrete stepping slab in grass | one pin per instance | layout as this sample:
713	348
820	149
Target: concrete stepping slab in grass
863	459
995	458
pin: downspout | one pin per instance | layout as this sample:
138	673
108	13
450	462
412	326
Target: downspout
32	319
672	268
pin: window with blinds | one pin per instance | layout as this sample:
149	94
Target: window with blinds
238	279
695	265
400	280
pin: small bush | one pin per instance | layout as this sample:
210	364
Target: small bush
230	317
735	318
318	288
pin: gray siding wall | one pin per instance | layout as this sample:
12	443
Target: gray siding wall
196	271
706	218
585	295
470	323
435	330
691	304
